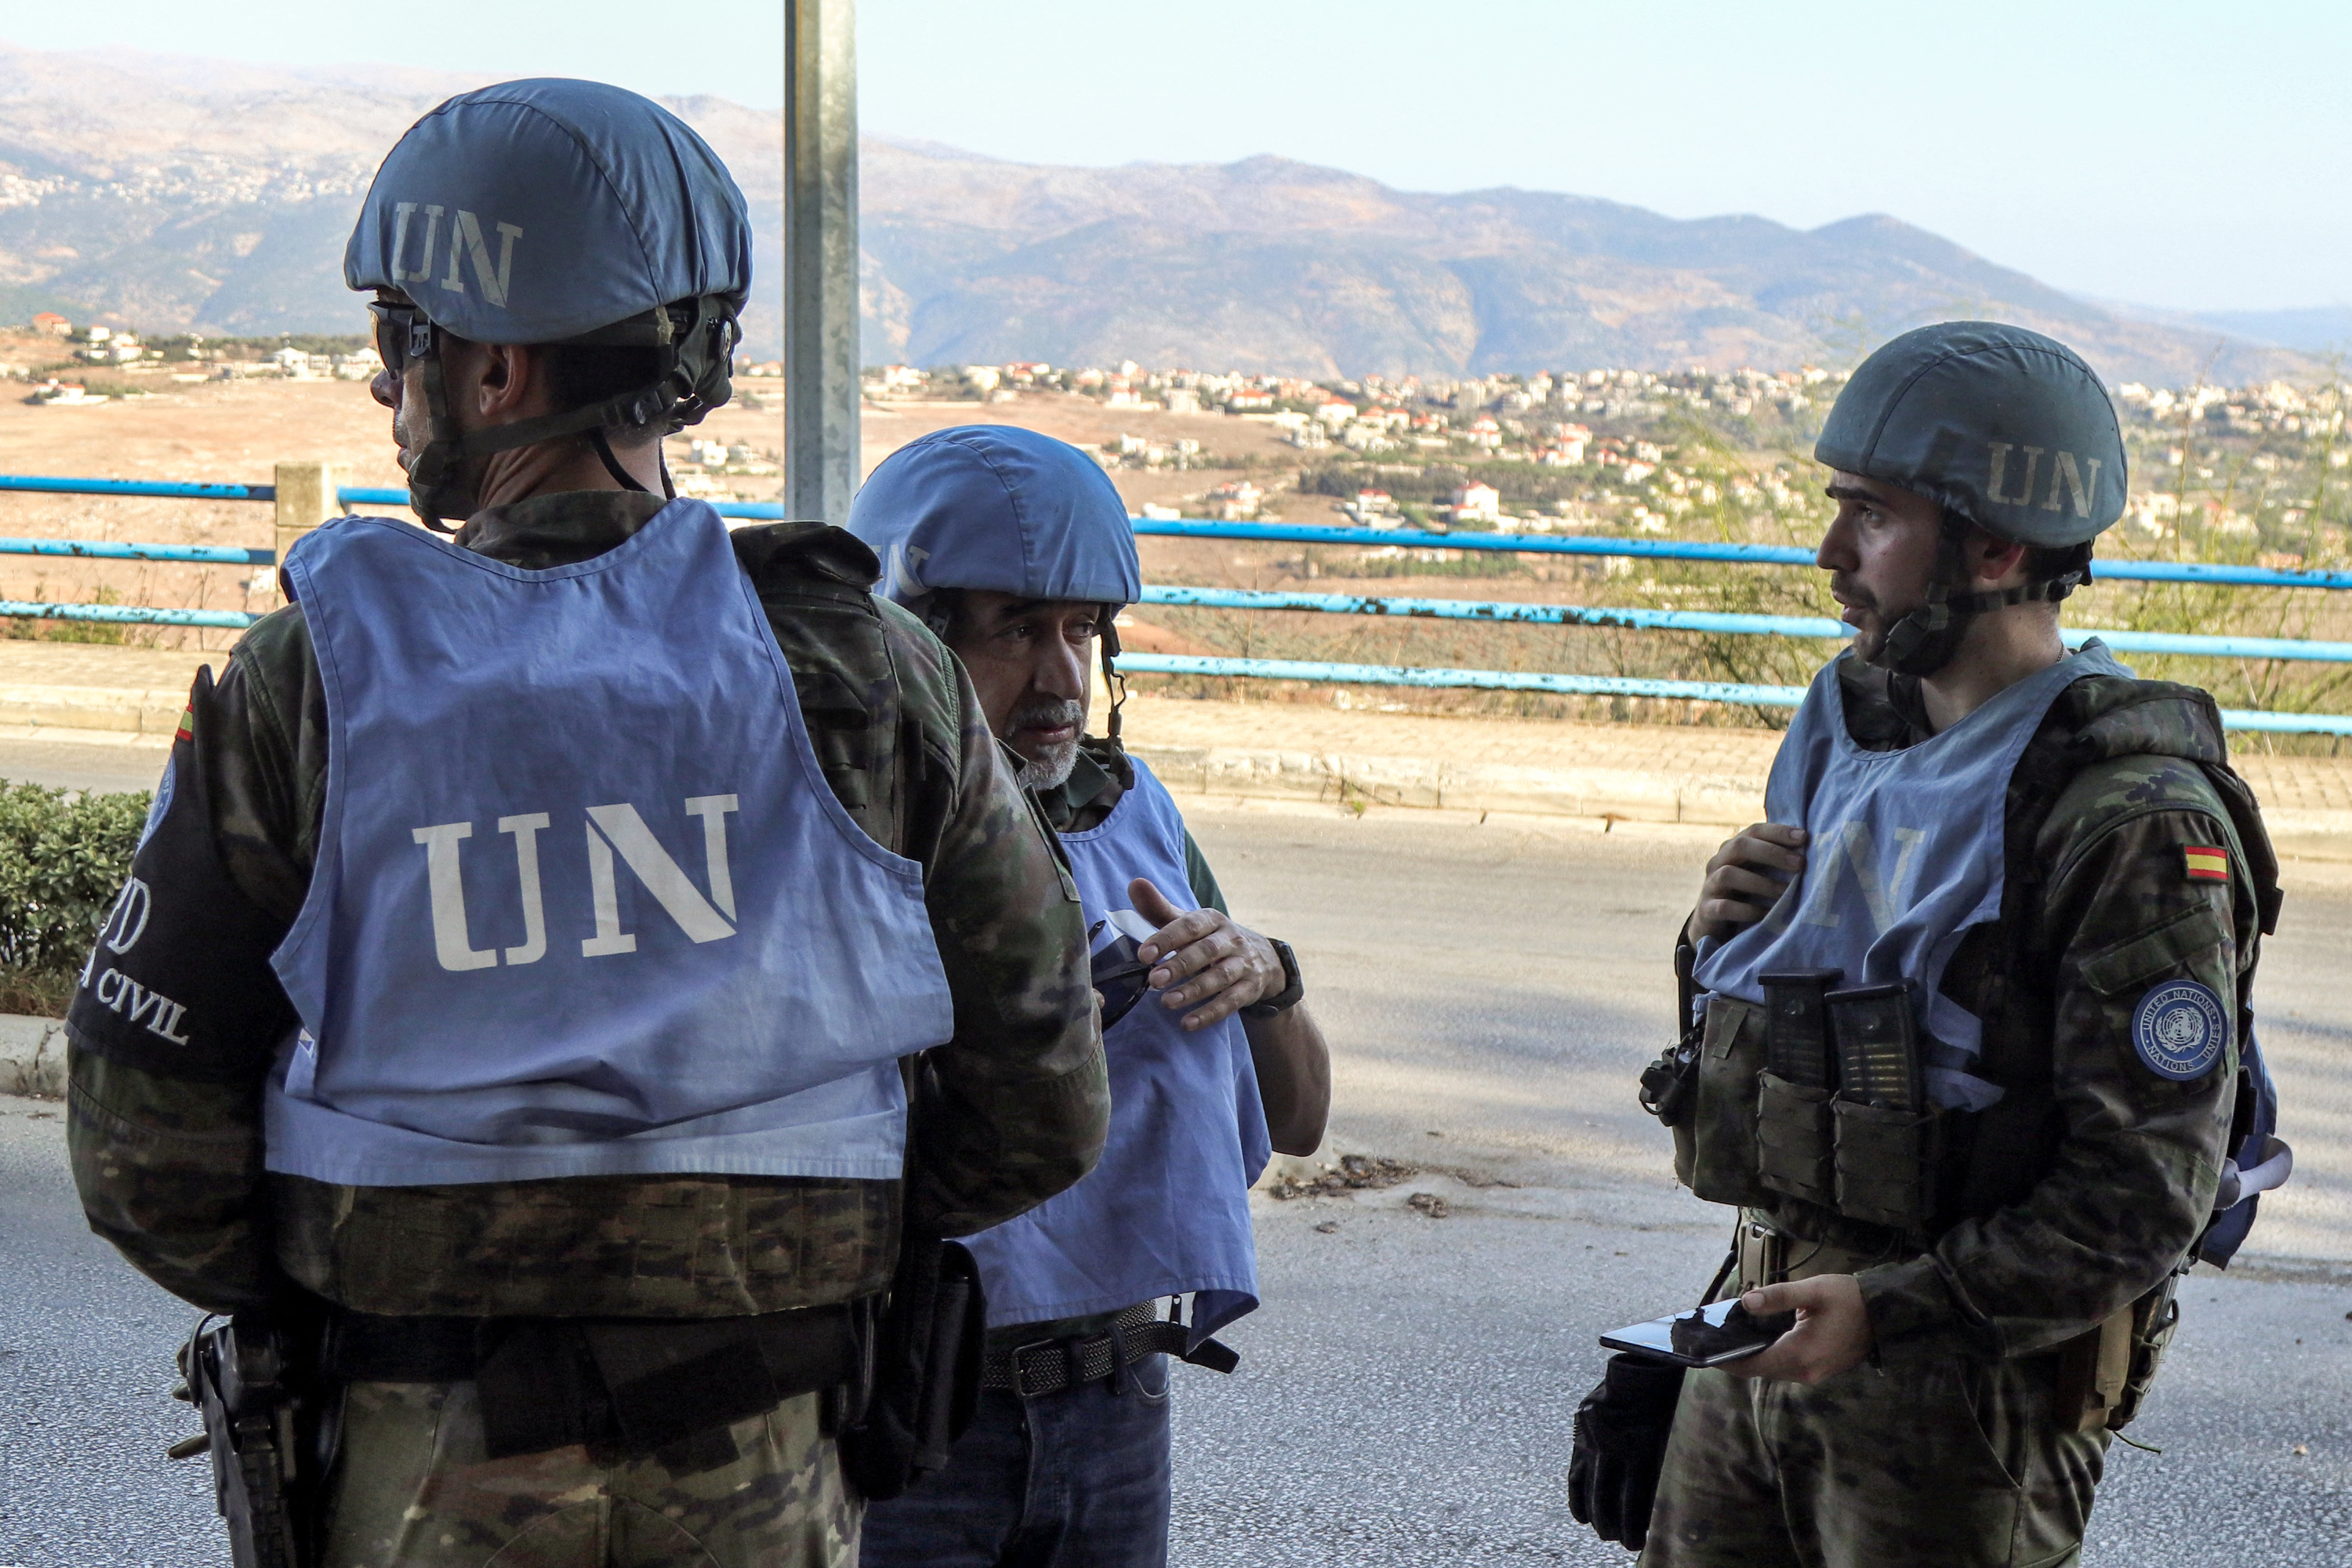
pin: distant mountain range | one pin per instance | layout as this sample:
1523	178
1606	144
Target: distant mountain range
168	193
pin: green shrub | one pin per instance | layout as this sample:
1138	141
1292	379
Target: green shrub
64	855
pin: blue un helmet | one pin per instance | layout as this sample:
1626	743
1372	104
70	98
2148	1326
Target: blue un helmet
1005	510
553	211
2007	430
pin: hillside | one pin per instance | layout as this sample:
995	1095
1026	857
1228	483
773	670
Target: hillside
170	193
1271	265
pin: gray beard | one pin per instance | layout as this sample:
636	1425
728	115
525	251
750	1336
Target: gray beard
1052	770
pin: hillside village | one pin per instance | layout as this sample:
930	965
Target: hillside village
2256	470
92	362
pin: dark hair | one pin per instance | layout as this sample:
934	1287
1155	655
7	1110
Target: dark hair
2048	562
2044	562
583	374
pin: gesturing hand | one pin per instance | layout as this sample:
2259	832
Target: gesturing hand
1201	955
1741	884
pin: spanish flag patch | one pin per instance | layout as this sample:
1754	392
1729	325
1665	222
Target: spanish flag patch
187	730
2207	863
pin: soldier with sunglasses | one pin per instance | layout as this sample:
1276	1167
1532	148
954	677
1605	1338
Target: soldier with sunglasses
590	940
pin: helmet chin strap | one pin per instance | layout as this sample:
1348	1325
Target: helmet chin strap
1929	638
693	380
1113	681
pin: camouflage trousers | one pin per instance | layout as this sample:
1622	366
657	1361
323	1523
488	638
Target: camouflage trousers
413	1488
1949	1463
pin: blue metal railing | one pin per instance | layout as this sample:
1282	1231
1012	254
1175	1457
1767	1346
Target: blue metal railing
129	615
1402	538
1598	686
103	550
196	554
172	489
1691	550
1709	621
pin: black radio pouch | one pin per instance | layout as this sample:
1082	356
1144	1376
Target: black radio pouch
926	1352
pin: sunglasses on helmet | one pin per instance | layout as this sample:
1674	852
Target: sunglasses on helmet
402	335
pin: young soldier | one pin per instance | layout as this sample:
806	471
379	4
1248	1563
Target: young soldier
1970	1044
1018	548
543	915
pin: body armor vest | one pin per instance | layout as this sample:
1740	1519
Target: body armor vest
583	904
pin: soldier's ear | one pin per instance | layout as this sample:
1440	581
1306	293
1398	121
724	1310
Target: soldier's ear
1990	558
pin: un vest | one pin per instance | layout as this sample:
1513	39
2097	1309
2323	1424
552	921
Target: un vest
1904	853
1167	1209
584	903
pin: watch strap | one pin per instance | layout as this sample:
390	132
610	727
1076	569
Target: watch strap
1293	988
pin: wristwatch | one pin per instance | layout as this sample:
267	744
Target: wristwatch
1293	988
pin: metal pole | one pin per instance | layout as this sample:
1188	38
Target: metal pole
821	316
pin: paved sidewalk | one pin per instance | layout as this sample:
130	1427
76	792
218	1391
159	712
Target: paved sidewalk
96	686
1697	774
1635	773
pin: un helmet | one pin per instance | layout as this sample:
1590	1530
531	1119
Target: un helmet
2007	430
555	212
1008	510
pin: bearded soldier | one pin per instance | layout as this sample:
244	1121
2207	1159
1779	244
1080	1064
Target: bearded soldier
1970	1041
1018	548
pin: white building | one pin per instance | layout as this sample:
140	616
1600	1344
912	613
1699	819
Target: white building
1478	502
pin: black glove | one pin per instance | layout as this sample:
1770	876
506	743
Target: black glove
1620	1446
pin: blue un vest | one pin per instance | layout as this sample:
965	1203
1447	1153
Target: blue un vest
1167	1209
1905	854
584	903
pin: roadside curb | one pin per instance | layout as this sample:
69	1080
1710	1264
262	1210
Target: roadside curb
1313	756
154	712
32	1055
1345	778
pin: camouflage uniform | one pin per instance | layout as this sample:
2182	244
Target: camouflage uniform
1010	1111
2077	1194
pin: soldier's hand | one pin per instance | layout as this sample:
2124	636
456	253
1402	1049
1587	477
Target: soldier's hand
1201	956
1741	882
1833	1331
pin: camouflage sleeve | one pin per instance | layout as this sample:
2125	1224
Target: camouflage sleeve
1015	1107
2126	920
1206	894
178	1017
169	1172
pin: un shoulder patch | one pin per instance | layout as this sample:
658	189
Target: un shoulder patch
2179	1030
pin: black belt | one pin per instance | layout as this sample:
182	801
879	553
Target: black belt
631	1384
1051	1365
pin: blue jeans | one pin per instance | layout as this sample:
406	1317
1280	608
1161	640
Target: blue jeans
1074	1479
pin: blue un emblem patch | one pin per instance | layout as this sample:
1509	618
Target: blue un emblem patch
2180	1029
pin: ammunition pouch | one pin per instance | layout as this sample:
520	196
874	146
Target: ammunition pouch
1818	1095
1716	1150
1886	1165
1796	1140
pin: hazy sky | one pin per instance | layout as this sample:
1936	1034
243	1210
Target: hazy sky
2190	156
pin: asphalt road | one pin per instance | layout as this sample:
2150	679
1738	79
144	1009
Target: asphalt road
1405	1393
